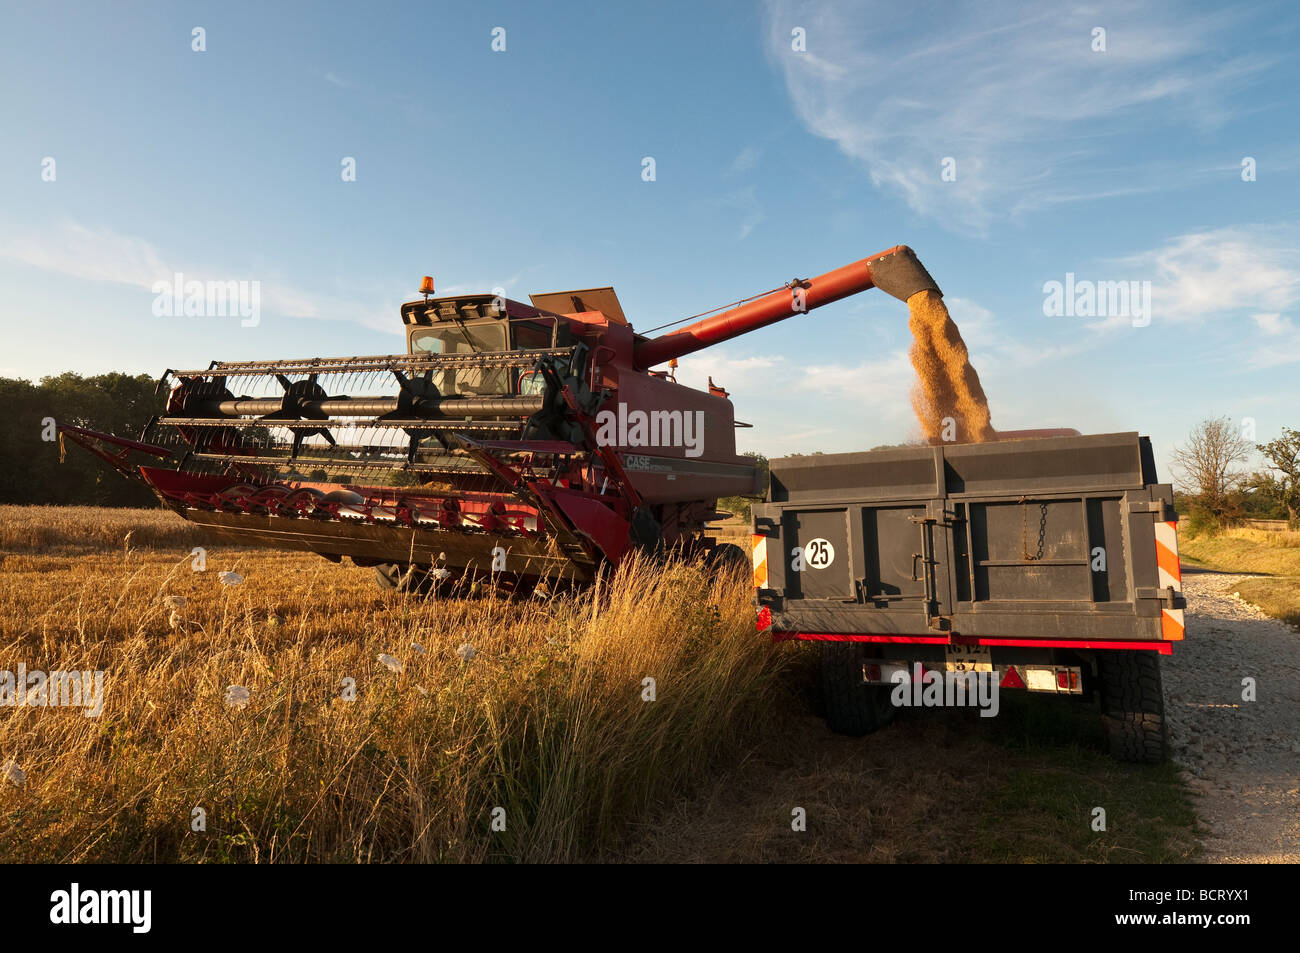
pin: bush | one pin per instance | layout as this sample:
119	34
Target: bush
1201	522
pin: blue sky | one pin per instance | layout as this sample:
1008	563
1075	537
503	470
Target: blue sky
523	169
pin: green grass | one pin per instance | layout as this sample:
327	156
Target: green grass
1056	772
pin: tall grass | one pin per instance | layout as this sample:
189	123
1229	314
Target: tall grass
544	730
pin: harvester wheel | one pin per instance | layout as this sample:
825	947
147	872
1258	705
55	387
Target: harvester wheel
1133	706
389	576
413	579
852	707
727	558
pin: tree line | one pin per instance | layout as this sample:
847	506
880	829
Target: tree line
1220	490
30	471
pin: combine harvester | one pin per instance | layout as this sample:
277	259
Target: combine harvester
531	443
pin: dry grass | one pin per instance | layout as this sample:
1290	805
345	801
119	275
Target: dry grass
546	721
1244	550
1279	596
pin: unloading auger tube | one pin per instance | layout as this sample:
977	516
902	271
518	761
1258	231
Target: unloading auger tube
480	454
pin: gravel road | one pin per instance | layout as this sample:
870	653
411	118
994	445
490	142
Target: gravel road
1242	758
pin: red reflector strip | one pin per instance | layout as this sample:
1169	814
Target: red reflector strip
1159	647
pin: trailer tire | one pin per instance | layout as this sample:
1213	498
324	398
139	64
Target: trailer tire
852	708
1133	706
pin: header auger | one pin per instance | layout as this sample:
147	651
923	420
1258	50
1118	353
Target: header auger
517	441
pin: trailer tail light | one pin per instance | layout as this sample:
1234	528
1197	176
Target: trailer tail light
1051	678
871	673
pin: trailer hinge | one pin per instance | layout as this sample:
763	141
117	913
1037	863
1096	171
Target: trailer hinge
1168	597
1164	510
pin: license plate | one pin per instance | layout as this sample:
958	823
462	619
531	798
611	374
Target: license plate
968	658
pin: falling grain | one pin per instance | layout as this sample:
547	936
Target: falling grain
948	386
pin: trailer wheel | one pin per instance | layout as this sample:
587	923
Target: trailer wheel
852	708
1133	705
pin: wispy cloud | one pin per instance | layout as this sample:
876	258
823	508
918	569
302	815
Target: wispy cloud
747	207
1019	100
739	375
745	161
1231	273
96	253
1280	343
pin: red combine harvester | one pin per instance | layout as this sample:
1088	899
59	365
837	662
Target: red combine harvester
525	441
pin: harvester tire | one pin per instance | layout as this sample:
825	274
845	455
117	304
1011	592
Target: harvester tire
410	579
1133	706
388	576
727	558
852	707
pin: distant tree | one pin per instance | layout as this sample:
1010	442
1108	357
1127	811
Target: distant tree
1282	456
1208	463
1260	495
760	462
30	469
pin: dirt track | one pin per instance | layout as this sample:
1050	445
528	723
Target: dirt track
1242	758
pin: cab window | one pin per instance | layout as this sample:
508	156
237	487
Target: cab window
531	336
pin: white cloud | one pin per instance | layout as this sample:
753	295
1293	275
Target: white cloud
1227	272
1017	98
739	375
1282	344
1273	324
98	253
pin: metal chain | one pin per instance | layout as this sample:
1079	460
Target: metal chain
1024	529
